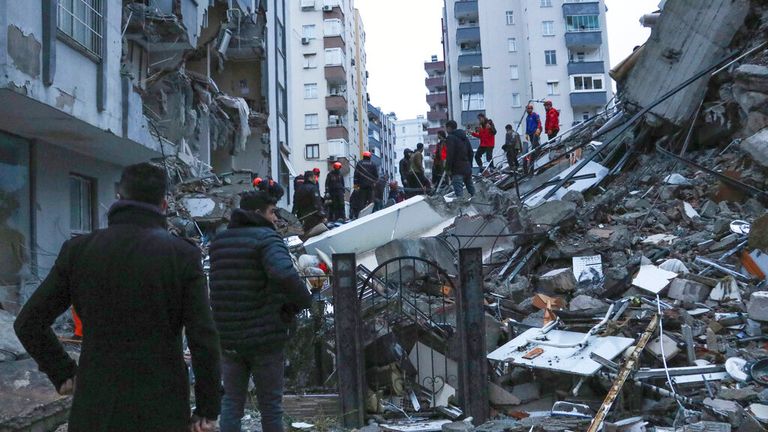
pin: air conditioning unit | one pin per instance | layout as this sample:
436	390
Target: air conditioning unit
327	8
307	4
305	41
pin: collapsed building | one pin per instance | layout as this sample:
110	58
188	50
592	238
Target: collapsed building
622	287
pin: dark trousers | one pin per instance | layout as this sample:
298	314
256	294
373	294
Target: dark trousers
437	173
366	196
553	134
336	210
488	151
267	372
459	181
529	163
512	159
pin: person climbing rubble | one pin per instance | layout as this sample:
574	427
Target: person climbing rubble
334	187
459	159
270	186
417	178
137	290
552	122
533	136
486	132
255	295
512	147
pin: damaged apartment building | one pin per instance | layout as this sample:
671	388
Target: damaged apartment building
90	86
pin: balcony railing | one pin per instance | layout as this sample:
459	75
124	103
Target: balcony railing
469	62
468	34
337	102
590	67
589	99
584	39
465	9
437	99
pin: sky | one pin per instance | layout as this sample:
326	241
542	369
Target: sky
402	34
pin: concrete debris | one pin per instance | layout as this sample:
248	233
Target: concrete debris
757	308
557	281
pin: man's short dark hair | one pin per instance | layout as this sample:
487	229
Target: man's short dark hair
451	124
441	134
508	127
256	200
419	146
143	182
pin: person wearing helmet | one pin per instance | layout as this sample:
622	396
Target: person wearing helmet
334	187
366	175
257	182
270	186
317	177
552	123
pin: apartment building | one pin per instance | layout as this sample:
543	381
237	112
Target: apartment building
329	104
437	98
90	86
410	132
502	55
382	139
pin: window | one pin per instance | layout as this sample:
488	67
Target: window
334	57
580	23
546	3
585	83
310	91
553	88
550	57
311	121
80	204
312	151
82	21
512	44
472	101
548	28
310	61
333	27
16	221
308	31
510	17
585	115
282	101
514	72
516	100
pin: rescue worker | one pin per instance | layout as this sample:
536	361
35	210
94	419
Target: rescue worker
418	179
378	193
512	147
366	175
533	134
405	167
438	166
308	204
486	132
270	186
459	159
355	203
552	122
316	171
334	187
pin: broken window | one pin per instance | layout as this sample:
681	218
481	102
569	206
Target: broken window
547	28
587	83
312	151
580	23
80	204
550	57
81	21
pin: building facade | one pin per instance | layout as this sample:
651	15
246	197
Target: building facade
502	55
382	140
329	104
437	98
409	133
88	87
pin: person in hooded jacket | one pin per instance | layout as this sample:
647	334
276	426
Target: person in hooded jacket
308	204
334	187
459	159
255	294
405	168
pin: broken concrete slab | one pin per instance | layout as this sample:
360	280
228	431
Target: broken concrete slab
688	291
549	214
585	302
10	347
670	347
757	307
502	397
28	400
557	281
757	147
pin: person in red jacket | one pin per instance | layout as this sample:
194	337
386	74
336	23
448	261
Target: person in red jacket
487	134
552	124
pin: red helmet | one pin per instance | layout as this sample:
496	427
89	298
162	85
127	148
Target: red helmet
337	165
366	154
316	170
257	181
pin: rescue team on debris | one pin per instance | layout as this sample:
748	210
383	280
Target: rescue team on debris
140	291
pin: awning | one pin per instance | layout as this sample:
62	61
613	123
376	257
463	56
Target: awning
287	162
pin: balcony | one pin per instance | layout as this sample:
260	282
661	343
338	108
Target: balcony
470	62
593	67
586	39
437	115
337	130
435	82
437	99
467	35
472	87
581	8
338	148
335	12
336	74
589	99
435	67
465	9
336	102
334	42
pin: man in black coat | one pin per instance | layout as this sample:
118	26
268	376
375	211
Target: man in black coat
459	159
366	175
308	204
334	187
255	294
136	288
405	167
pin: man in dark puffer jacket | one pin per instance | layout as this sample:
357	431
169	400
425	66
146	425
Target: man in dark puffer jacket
255	294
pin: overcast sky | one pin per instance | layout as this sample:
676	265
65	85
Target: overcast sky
402	34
